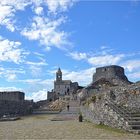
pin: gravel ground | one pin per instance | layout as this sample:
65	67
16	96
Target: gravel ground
39	127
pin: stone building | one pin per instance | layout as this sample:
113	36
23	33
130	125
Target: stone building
12	96
13	103
114	74
104	78
63	88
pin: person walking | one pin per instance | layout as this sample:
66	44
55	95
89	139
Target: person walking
68	106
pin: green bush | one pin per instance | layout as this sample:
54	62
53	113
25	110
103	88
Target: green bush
99	97
93	99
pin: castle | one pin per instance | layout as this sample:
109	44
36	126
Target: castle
114	74
111	99
64	89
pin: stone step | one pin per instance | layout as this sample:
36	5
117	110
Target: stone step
133	118
135	131
136	127
134	123
42	110
133	114
128	112
46	112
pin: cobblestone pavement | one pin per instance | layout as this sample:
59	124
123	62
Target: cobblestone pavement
37	127
41	127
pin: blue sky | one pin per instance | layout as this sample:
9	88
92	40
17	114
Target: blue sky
38	36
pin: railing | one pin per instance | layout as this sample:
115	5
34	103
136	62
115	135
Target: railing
122	112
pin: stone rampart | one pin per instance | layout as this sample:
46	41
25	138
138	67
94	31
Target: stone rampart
15	108
100	113
112	73
12	96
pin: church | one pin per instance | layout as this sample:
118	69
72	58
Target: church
63	89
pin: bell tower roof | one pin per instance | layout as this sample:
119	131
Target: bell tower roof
59	70
59	75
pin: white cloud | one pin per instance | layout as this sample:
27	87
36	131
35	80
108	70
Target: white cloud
56	6
6	12
8	9
42	63
135	75
39	54
10	89
78	56
131	65
36	67
35	71
98	59
30	81
42	28
37	96
83	77
10	74
105	59
11	77
10	51
36	89
46	31
16	4
46	83
39	10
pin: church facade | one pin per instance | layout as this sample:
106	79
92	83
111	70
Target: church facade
63	88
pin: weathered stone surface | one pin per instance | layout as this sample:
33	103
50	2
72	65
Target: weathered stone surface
110	98
15	108
12	102
12	96
114	74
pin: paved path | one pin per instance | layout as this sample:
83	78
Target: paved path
72	114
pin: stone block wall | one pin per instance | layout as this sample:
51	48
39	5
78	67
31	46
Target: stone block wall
110	72
15	108
12	95
101	114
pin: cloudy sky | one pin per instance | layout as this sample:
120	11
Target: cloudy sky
38	36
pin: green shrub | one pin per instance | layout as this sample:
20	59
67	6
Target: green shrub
93	99
99	97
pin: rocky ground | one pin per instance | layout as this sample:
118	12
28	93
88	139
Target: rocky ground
57	105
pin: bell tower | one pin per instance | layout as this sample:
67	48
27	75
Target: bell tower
59	75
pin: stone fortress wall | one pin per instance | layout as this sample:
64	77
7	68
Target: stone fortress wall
13	103
111	99
111	73
12	96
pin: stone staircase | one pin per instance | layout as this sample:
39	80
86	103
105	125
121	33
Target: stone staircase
45	111
66	115
132	120
61	115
